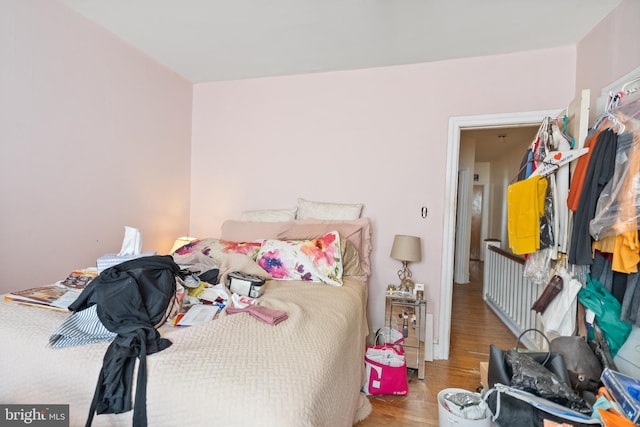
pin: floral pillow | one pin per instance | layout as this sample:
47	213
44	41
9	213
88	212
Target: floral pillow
218	249
315	260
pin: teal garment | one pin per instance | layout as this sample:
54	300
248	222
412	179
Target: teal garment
596	298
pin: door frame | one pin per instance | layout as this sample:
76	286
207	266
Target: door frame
481	232
461	255
456	125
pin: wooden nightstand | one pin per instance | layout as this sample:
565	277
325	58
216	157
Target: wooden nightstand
406	314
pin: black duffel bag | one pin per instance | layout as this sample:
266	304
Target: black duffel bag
513	407
499	371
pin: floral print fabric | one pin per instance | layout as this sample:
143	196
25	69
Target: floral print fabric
217	249
316	260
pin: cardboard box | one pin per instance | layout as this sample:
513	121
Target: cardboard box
484	374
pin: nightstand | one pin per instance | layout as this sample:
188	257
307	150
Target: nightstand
407	314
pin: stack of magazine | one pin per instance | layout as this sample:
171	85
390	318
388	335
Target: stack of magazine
625	391
57	296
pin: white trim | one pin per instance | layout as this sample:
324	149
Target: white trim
615	86
484	227
456	124
462	248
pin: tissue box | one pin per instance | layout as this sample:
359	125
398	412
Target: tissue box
109	260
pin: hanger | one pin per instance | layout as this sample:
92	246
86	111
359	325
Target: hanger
624	105
633	89
556	159
629	109
572	141
532	147
612	103
564	118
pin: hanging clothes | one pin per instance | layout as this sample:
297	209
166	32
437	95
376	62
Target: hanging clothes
617	209
624	249
525	206
524	165
530	163
630	311
601	269
577	178
598	173
615	224
616	221
561	193
624	287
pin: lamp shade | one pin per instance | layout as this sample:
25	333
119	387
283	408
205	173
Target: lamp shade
180	242
406	248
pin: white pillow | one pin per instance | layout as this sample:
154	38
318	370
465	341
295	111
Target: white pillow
269	215
321	210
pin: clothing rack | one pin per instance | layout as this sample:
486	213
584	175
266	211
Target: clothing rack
628	87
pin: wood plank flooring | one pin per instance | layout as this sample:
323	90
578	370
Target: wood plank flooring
474	326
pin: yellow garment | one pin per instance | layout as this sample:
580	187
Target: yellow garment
605	244
525	206
625	249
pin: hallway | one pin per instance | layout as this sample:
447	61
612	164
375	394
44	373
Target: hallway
473	327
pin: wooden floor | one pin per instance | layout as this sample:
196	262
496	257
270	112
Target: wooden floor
473	327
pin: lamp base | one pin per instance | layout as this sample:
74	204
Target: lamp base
406	285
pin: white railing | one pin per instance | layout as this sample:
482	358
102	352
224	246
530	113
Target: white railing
510	295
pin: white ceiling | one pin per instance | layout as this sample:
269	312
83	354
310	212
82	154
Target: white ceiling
492	143
212	40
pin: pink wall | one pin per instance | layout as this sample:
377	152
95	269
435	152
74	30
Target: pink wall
374	136
609	51
94	135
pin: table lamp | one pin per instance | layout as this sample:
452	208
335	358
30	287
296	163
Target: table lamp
180	242
406	249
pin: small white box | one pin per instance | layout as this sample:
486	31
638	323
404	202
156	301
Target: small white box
418	287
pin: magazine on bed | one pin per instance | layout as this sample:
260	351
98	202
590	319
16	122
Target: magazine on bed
58	295
50	296
79	279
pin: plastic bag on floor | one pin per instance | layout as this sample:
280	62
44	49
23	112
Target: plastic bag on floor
531	376
386	371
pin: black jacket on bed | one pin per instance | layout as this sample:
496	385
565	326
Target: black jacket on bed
132	299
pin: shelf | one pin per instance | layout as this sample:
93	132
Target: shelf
415	310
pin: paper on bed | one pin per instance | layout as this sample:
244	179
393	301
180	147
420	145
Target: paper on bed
199	313
214	292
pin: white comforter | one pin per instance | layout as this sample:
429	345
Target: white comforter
233	371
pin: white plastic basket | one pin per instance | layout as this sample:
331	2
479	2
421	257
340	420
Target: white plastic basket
449	419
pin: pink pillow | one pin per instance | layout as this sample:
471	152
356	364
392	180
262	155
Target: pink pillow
246	231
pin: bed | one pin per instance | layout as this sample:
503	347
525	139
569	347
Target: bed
232	371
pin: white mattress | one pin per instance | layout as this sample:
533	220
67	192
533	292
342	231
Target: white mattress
233	371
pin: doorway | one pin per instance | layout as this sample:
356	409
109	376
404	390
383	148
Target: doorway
456	126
